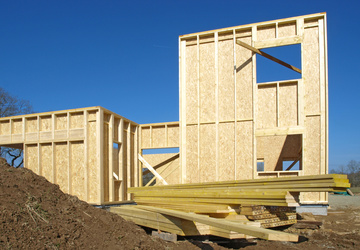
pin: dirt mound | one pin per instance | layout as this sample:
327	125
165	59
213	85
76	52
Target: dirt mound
35	214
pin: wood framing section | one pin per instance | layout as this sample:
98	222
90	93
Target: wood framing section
229	121
160	136
88	152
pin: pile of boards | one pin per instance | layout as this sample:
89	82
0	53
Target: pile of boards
230	209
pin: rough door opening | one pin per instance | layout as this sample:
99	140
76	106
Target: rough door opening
269	71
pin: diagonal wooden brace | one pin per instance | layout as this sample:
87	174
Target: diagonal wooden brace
253	49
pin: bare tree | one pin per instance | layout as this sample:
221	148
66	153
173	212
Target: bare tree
10	106
352	169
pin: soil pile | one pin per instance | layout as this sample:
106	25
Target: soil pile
35	214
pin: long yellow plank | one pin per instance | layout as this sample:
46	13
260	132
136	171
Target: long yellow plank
228	225
333	179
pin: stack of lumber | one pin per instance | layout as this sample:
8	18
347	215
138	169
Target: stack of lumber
183	223
216	196
270	216
231	209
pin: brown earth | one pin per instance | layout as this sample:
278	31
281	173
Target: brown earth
35	214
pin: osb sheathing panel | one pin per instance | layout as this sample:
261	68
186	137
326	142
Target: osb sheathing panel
266	107
207	83
106	165
77	120
286	29
125	158
45	123
31	124
46	161
116	129
173	136
208	171
17	126
226	81
274	149
62	165
192	80
226	161
312	145
311	70
61	121
170	171
5	127
77	166
93	179
288	105
158	137
192	156
145	137
244	81
266	32
244	149
32	157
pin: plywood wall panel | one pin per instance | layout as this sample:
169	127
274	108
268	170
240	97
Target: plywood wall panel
192	80
62	165
207	83
244	150
77	120
266	107
116	129
61	121
208	150
287	29
145	137
5	127
46	156
32	157
311	70
173	135
288	105
266	33
158	137
244	81
17	126
106	162
227	154
31	124
312	145
226	97
192	169
45	123
78	185
275	149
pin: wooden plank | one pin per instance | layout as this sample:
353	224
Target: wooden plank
152	170
288	40
228	225
262	53
163	163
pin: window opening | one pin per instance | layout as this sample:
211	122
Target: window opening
269	71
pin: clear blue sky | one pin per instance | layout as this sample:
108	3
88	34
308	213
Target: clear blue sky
123	55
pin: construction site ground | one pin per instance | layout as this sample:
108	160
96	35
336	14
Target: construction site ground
35	214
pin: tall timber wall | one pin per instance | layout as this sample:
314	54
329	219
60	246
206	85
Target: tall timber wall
230	123
89	152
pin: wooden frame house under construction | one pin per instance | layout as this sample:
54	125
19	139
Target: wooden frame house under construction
231	126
